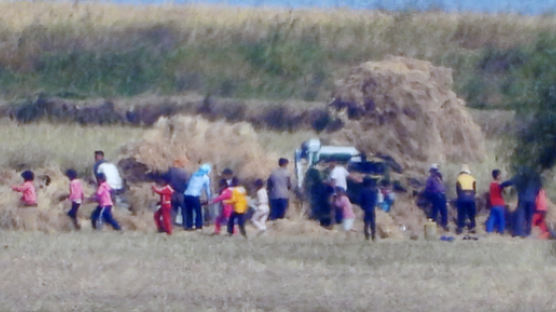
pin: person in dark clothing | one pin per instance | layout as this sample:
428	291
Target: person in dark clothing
178	178
435	193
368	199
528	184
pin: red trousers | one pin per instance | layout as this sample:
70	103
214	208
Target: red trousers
538	220
223	217
163	219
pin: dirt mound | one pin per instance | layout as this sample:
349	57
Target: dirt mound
198	141
406	108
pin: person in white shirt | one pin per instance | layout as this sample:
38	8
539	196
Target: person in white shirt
113	179
339	175
261	213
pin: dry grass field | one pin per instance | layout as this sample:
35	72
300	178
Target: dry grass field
193	272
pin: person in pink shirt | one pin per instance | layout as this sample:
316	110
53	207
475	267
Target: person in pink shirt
227	207
75	196
541	207
341	201
29	195
103	213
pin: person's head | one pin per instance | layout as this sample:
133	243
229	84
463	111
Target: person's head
71	174
222	184
259	184
369	182
101	178
204	169
28	175
235	182
99	155
179	163
283	162
227	173
385	183
433	168
496	174
465	169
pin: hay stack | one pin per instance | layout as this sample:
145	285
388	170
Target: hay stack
198	140
406	108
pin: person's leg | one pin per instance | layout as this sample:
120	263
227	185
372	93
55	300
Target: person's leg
241	224
366	225
273	207
263	218
443	212
501	219
461	216
231	221
284	207
471	211
529	210
95	217
492	220
73	214
198	213
188	217
338	215
373	224
519	220
434	209
156	216
218	223
109	218
255	219
167	219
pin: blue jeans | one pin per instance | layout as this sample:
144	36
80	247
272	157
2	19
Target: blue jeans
278	208
104	214
523	218
438	202
496	219
192	204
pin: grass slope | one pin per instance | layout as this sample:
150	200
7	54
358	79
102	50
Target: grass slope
99	49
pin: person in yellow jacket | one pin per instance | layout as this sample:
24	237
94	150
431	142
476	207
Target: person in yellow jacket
239	202
466	188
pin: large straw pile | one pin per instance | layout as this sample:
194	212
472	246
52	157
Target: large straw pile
406	108
197	141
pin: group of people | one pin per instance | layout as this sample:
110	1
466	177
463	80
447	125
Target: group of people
183	196
531	208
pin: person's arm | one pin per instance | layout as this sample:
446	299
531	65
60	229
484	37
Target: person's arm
226	195
206	186
506	184
269	183
19	188
475	186
156	190
458	188
289	183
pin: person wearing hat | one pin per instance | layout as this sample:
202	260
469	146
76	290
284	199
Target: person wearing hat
466	187
435	192
199	183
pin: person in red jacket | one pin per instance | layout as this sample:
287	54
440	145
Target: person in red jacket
541	206
29	195
225	198
497	204
162	217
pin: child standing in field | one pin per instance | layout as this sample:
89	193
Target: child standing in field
260	216
75	196
162	217
239	202
497	217
104	210
27	189
341	201
368	202
388	195
541	207
227	208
